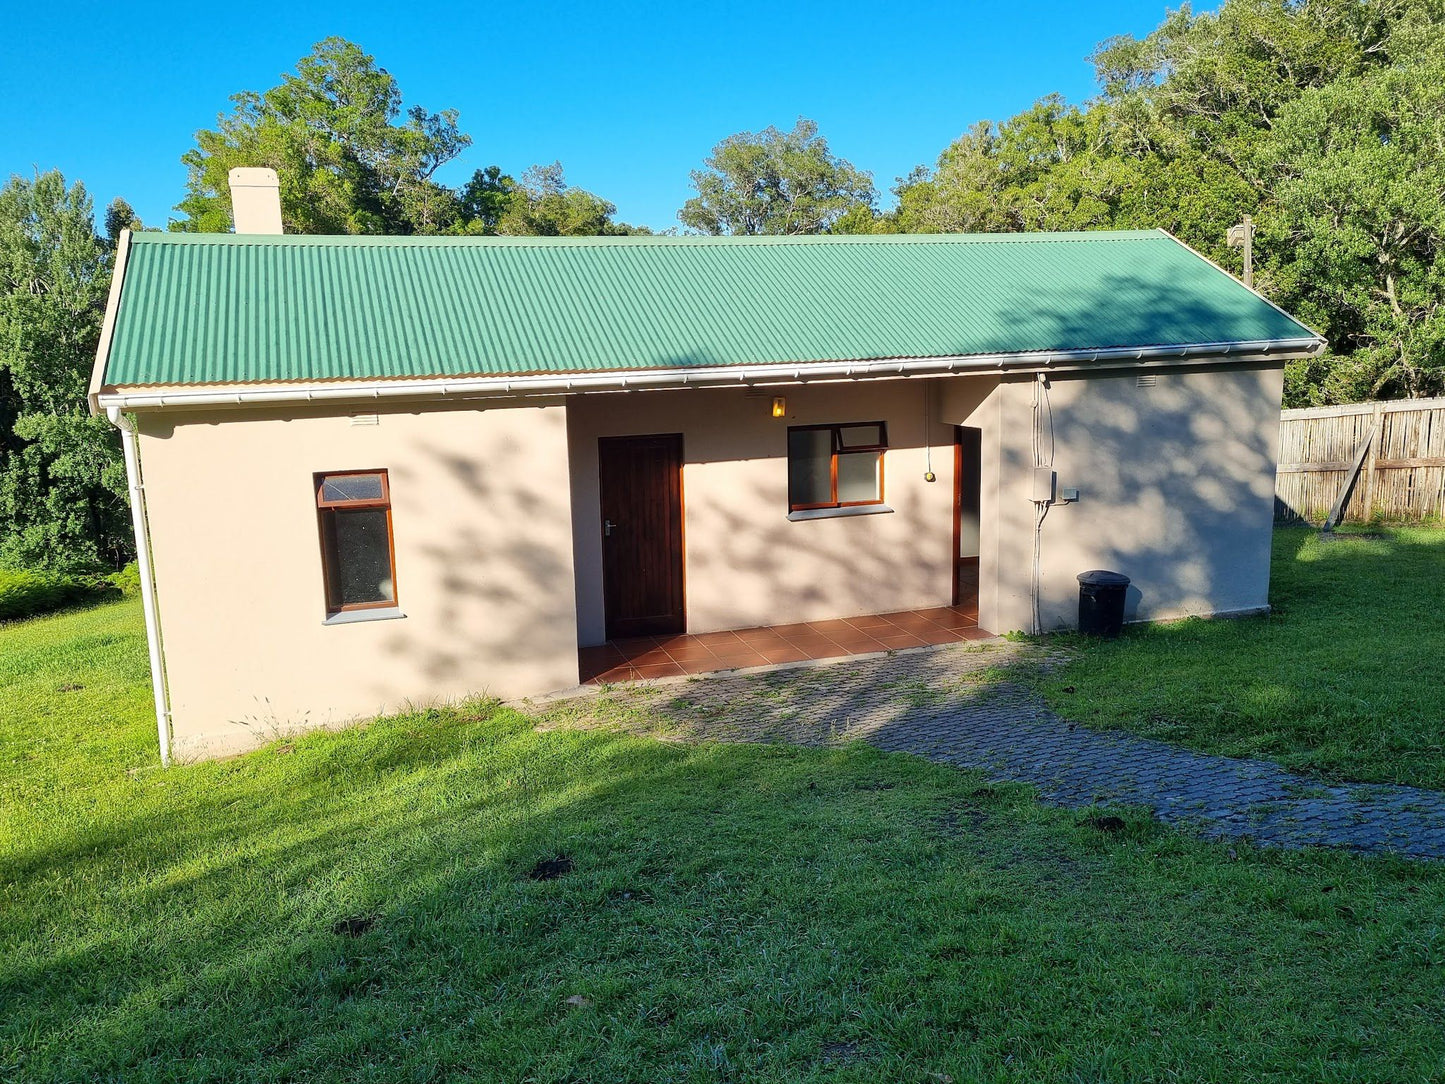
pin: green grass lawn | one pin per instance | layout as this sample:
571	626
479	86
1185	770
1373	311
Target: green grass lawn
1343	679
357	906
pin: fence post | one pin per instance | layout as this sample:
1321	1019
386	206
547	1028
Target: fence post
1367	498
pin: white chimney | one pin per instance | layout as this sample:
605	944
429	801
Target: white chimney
256	200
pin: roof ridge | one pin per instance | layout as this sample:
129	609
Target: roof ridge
153	237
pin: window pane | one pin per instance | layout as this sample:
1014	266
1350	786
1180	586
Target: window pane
361	569
860	436
810	469
858	476
351	487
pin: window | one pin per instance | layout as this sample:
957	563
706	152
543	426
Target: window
836	466
357	557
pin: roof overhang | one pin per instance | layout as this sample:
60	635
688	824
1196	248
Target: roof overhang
551	385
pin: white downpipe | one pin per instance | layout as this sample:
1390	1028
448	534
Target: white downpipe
147	582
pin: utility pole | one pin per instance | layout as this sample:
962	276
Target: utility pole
1242	236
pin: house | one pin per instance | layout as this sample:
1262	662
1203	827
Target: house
376	471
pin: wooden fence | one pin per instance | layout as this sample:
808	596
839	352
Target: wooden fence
1403	473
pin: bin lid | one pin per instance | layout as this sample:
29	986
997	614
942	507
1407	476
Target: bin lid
1099	577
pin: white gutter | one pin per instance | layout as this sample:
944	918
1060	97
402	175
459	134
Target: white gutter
553	384
147	580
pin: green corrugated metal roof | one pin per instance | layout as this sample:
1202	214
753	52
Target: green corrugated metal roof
226	308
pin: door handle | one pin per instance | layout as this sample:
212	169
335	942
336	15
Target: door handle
607	526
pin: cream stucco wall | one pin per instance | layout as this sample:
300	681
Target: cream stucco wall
1176	489
482	526
745	562
498	540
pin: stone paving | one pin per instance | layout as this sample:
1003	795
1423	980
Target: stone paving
957	705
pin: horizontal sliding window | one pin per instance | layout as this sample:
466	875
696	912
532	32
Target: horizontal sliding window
357	554
836	466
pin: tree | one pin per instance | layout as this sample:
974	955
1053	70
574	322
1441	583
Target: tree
486	199
62	481
330	131
1356	227
543	204
1321	118
120	216
775	182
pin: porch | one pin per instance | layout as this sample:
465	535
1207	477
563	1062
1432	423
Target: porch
645	658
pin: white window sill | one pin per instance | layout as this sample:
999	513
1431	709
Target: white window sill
835	513
349	617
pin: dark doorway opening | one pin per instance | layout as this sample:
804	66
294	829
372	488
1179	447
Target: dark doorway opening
967	486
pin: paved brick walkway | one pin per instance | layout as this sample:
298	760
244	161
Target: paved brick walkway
957	706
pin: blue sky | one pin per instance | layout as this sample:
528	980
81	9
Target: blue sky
629	98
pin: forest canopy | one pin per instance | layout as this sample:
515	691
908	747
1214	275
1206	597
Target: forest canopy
1323	119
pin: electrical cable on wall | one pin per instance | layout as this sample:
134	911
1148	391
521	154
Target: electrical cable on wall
928	475
1041	406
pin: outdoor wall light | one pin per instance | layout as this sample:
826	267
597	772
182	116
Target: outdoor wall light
780	407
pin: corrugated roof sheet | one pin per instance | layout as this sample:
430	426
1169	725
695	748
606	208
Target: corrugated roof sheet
224	308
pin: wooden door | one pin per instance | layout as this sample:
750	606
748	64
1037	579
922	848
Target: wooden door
641	490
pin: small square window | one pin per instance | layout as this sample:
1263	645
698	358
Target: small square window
357	553
836	466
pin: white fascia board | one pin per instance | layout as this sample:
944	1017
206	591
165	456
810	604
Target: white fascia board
560	384
107	327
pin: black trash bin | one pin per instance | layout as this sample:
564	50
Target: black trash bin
1101	602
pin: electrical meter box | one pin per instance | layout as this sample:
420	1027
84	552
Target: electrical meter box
1044	478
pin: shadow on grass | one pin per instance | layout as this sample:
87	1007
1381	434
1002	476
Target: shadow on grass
732	912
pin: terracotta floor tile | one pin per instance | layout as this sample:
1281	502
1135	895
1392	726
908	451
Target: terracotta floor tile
811	638
976	633
792	629
919	626
901	639
828	651
938	614
744	657
831	628
653	656
961	621
900	615
764	633
870	621
687	652
593	660
699	666
947	636
785	653
616	674
659	670
716	640
863	643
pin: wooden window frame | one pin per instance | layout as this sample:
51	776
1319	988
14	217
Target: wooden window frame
325	520
839	448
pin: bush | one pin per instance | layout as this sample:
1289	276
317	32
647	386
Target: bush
26	594
127	580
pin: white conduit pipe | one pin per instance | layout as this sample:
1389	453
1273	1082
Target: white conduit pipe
147	582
